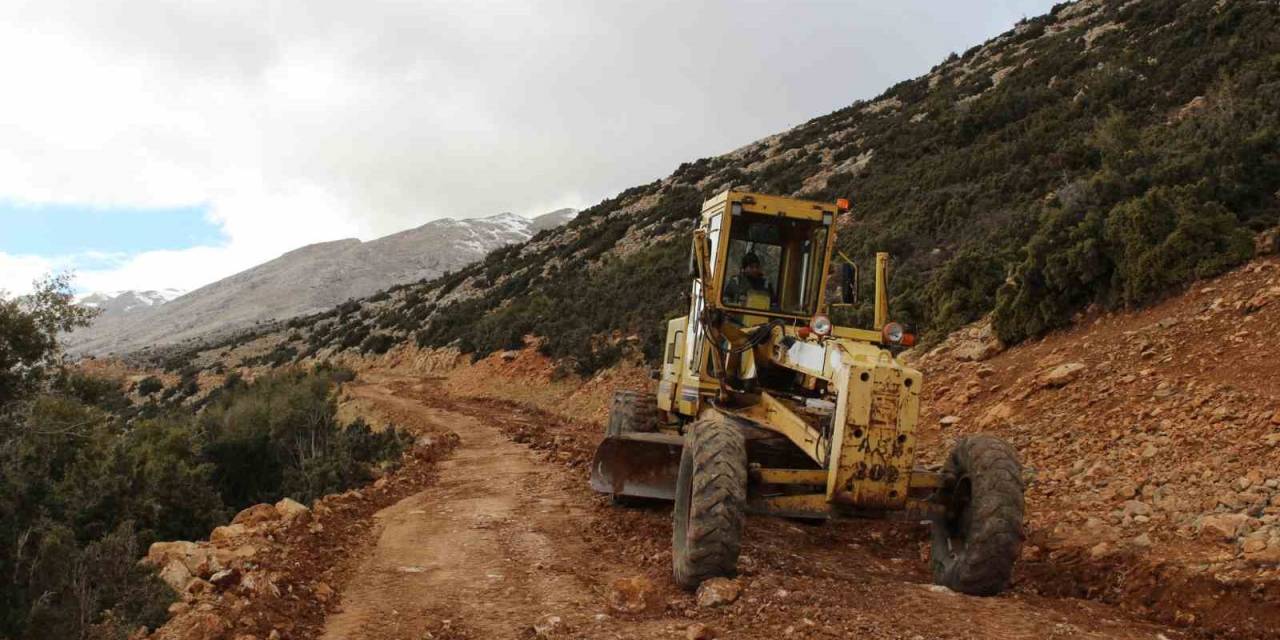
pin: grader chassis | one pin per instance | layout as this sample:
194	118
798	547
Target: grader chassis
763	406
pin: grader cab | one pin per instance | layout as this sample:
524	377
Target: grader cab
762	405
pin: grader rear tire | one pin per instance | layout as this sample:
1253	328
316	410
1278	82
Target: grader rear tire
977	543
632	411
711	495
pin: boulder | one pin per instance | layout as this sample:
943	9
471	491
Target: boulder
1254	543
1062	375
1268	555
160	553
293	511
1222	526
176	574
256	515
718	592
228	533
975	350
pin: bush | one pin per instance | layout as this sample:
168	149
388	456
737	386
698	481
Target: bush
280	436
85	484
377	343
1168	237
149	385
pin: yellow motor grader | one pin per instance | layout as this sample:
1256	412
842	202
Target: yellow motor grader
764	406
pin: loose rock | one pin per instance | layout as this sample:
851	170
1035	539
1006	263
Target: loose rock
1062	375
228	532
176	574
1222	526
718	592
548	625
699	631
292	511
632	595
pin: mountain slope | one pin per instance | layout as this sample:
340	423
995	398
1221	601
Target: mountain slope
309	279
117	303
1106	153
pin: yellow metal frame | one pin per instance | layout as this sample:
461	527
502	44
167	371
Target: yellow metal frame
868	450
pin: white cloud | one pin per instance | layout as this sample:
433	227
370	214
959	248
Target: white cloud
304	120
18	272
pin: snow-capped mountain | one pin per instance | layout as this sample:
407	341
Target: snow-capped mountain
313	278
124	302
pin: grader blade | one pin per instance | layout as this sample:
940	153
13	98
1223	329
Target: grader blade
639	465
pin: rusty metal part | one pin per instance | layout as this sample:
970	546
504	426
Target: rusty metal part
640	465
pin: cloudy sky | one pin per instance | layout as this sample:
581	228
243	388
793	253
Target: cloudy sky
168	144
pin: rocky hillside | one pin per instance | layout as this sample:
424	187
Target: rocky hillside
1154	440
310	279
1106	154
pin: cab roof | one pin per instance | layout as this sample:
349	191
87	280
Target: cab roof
768	205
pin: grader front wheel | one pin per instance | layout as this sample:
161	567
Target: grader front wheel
976	544
711	494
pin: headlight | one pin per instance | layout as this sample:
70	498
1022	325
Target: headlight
896	334
821	325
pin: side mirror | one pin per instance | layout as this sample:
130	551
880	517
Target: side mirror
848	283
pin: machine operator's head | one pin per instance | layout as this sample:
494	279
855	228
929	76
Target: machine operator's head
752	270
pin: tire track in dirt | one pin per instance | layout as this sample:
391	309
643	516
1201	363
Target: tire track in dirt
510	534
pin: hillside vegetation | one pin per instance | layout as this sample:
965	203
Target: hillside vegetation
90	475
1106	153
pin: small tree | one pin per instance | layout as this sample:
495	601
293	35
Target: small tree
29	328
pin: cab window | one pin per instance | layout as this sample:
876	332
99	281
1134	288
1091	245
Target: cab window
774	264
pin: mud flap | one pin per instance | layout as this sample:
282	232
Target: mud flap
640	465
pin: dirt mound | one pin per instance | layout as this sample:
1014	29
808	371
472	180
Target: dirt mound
1154	442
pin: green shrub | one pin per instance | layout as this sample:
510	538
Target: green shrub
280	436
377	343
1169	237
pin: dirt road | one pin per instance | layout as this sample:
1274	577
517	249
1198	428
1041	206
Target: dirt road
509	542
485	552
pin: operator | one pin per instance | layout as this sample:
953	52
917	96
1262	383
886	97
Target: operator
749	280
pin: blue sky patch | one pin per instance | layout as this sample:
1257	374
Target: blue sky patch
98	233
